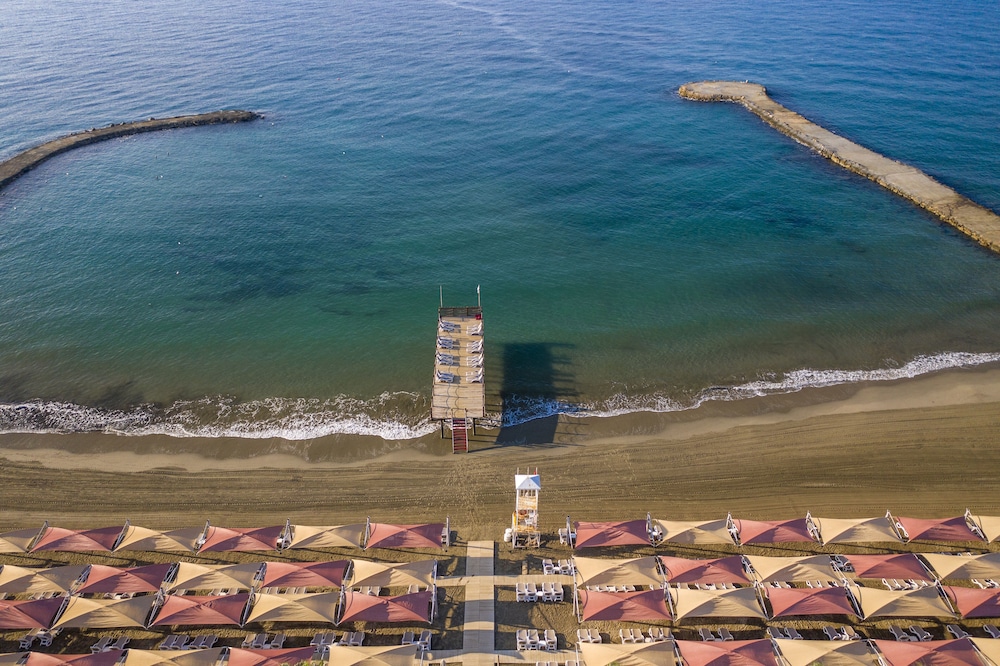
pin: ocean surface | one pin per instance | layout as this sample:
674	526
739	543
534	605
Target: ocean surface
635	251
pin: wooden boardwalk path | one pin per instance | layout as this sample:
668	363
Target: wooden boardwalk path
975	221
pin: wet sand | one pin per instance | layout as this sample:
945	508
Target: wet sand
921	447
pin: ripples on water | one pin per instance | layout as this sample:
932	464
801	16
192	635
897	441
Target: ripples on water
633	248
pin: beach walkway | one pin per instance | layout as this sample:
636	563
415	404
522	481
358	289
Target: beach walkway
479	631
975	221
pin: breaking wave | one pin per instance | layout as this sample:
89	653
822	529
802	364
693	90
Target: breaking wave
404	415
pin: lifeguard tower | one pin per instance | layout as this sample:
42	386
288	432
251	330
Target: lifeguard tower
524	521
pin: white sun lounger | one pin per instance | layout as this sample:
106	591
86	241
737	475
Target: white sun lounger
446	343
476	329
921	633
900	635
474	361
449	326
444	377
957	631
474	377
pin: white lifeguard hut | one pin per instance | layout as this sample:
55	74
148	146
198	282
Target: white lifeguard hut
524	521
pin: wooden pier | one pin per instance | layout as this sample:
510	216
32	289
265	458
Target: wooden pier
459	395
977	222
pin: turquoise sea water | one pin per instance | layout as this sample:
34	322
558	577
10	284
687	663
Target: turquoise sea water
636	251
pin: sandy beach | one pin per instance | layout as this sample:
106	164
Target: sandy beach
921	447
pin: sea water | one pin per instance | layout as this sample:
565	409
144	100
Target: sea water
635	251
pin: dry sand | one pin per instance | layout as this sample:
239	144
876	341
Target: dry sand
922	447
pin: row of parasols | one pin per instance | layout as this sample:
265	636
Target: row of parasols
810	529
341	655
211	538
153	606
782	652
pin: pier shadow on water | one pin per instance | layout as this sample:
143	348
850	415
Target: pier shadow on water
537	379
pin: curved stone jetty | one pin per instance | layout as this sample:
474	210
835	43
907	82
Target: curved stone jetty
977	222
27	160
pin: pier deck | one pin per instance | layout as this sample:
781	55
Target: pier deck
975	221
459	360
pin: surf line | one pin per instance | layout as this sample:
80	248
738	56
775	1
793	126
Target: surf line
27	160
979	223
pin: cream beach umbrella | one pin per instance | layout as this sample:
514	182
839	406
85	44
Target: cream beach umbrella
375	655
334	536
990	647
693	532
638	654
923	602
201	657
950	652
792	569
145	539
988	525
318	608
741	602
633	571
848	530
12	658
105	613
963	567
828	653
18	540
403	574
191	576
25	580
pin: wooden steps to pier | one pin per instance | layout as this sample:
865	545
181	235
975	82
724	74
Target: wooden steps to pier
459	436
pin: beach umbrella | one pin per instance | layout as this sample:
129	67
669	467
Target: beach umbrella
304	574
718	570
102	579
923	602
375	655
319	608
898	565
644	606
415	607
929	653
279	657
109	658
847	530
145	539
29	614
106	613
741	602
727	653
693	531
772	531
791	569
335	536
633	571
973	602
385	535
227	539
191	576
616	533
24	580
964	567
827	653
198	657
937	529
637	654
191	610
989	647
787	602
402	574
17	541
77	541
11	658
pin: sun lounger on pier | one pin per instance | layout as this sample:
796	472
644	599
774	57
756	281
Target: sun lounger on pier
474	361
446	343
474	377
449	326
476	329
446	359
444	377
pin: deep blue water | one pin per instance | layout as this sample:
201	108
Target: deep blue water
634	249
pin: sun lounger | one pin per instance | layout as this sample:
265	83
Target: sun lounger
850	634
992	583
101	645
444	377
595	636
774	632
357	639
978	583
726	636
476	329
992	630
260	641
921	633
583	636
793	634
474	361
446	359
625	636
956	631
521	592
45	637
345	639
475	377
548	592
408	638
474	347
562	535
425	640
533	639
531	592
707	635
900	635
833	634
550	641
29	638
446	343
277	642
548	567
522	639
566	567
557	592
168	642
449	326
118	644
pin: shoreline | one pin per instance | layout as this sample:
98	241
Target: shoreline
13	168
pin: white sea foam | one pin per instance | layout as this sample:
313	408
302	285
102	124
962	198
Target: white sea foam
402	415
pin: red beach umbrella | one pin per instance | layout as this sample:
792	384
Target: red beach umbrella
414	607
